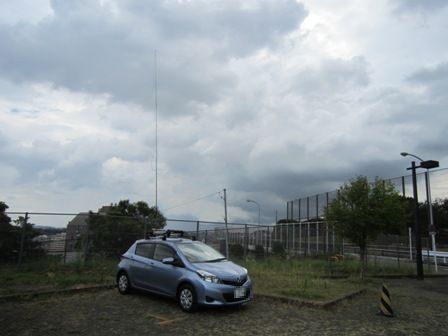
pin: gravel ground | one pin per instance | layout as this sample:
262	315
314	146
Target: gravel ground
421	308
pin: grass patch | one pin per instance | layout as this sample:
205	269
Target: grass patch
311	278
53	273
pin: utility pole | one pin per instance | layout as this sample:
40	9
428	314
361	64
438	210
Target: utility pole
418	238
225	220
156	117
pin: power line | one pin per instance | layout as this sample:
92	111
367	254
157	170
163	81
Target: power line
191	201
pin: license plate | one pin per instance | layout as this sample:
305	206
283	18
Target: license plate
239	293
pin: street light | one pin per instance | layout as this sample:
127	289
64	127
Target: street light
431	228
428	165
259	209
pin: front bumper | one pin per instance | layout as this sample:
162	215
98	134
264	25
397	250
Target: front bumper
211	294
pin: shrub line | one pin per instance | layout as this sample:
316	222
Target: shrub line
76	289
310	303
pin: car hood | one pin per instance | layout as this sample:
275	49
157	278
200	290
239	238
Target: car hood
222	269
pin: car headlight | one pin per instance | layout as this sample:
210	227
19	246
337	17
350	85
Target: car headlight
209	277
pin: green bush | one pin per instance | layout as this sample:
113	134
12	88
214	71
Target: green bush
236	251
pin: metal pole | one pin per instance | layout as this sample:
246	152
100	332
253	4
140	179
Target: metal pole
418	242
225	220
431	229
410	243
308	237
317	224
334	240
293	238
270	238
22	239
86	247
246	240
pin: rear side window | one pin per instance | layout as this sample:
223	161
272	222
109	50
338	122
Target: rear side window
145	250
163	251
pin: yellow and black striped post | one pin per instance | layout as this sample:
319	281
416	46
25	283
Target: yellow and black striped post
385	303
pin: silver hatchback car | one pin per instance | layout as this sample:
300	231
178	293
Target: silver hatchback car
190	271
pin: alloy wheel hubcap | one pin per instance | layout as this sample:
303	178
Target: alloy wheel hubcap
123	283
186	298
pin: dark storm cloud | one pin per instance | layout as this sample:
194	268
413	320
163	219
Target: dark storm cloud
418	5
94	48
430	75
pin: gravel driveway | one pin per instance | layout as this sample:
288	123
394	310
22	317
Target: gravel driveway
421	308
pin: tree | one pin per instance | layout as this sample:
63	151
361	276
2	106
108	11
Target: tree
10	237
7	237
362	210
116	227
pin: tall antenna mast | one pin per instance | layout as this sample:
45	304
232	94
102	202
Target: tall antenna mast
155	108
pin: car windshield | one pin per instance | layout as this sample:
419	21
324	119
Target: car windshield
197	252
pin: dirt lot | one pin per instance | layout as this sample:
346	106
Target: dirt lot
421	308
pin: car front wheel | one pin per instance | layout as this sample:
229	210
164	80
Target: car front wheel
123	283
187	298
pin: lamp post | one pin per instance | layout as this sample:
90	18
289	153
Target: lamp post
431	227
418	246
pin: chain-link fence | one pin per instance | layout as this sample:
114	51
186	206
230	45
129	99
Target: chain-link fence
313	206
94	235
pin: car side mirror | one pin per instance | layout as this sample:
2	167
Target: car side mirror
168	261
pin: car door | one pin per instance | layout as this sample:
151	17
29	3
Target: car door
165	276
142	265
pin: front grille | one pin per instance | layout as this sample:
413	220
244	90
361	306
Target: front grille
235	282
229	297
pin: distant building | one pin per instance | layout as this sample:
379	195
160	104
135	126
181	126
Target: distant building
75	229
52	244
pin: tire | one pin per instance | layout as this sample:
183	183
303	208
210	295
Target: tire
123	283
187	298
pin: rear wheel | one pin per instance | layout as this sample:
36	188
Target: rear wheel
123	283
187	298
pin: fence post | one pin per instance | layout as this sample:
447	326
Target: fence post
197	230
300	237
293	238
22	239
410	243
270	237
326	238
317	237
309	238
205	237
86	247
334	241
246	240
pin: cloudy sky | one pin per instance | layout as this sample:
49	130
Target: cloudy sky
272	100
